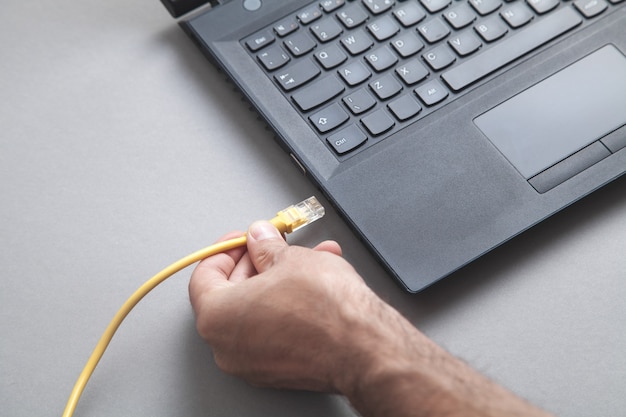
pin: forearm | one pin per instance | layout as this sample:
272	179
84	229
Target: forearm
411	376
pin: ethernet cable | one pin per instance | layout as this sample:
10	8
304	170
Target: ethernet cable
286	221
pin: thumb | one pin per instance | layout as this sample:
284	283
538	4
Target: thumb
265	243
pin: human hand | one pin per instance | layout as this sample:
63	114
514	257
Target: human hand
290	317
279	315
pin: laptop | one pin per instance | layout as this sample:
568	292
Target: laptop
438	129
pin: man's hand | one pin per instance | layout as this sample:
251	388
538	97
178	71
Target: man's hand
279	315
290	317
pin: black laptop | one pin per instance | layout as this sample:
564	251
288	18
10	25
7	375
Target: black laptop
439	129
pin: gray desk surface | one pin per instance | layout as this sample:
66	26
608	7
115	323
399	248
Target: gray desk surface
121	150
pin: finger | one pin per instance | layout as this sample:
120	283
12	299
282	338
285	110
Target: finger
243	270
214	271
265	243
243	265
329	246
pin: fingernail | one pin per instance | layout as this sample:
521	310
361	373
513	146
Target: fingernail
263	230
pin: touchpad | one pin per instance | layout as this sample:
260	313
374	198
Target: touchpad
562	114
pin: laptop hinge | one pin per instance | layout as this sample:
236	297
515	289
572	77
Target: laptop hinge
180	7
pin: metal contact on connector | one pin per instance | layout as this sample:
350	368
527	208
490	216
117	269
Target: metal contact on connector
311	208
301	214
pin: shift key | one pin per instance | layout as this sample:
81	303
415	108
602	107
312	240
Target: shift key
510	49
328	118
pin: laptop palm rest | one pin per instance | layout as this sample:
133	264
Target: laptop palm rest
552	130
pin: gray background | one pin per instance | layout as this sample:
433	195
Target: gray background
122	150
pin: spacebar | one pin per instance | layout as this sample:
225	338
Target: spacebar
512	48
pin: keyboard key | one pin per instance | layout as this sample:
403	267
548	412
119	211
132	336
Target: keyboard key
516	15
405	107
299	44
433	30
409	14
491	29
378	6
330	56
591	8
326	30
434	6
354	73
286	26
329	118
378	122
465	43
460	16
273	58
381	59
259	40
412	72
309	14
385	87
347	139
352	16
512	48
297	74
383	28
439	57
360	101
407	44
543	6
331	5
318	93
484	7
357	42
431	92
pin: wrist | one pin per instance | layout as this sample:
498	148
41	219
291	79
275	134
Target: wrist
387	368
401	372
383	349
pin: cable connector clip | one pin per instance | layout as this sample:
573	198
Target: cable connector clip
299	215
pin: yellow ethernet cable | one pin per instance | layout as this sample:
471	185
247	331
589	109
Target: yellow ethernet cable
286	221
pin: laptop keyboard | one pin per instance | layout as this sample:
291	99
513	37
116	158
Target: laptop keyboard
358	71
